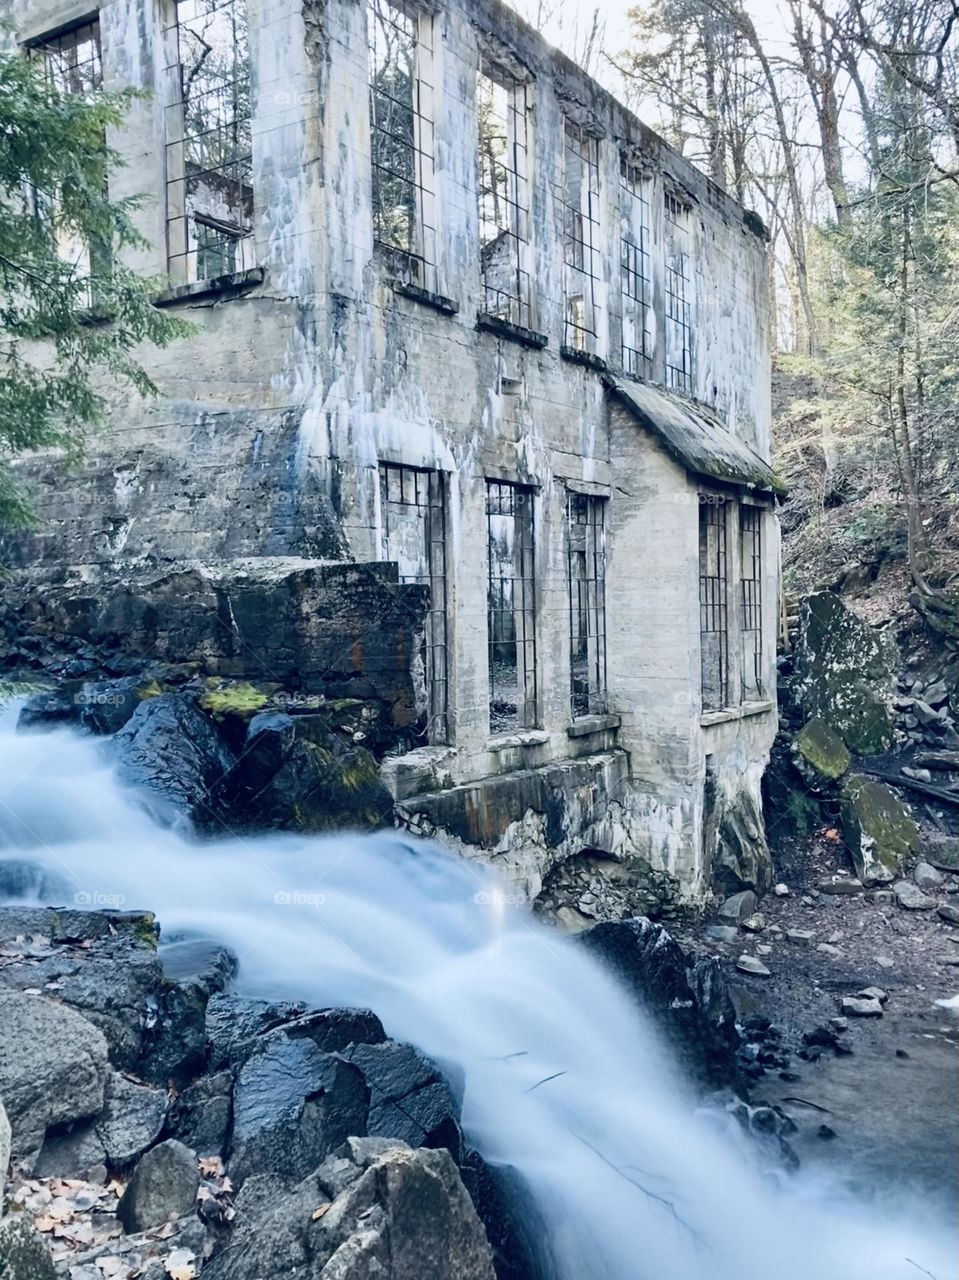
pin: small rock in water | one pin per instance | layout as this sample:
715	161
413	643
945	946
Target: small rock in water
927	877
781	890
749	964
911	897
873	993
754	923
800	937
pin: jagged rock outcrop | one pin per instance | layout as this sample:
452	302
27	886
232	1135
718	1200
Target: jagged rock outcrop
374	1208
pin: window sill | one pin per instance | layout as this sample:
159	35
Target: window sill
506	329
583	726
575	356
435	300
522	738
735	713
228	286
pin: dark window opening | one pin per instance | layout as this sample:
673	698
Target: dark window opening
72	60
679	356
751	547
511	607
413	504
502	112
209	141
636	288
401	139
580	201
587	604
713	601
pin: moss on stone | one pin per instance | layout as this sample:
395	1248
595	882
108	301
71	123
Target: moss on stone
242	699
821	752
879	831
152	689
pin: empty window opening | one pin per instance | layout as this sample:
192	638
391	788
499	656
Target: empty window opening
413	506
679	362
72	66
511	608
587	604
751	549
209	141
713	601
401	139
636	288
580	199
502	110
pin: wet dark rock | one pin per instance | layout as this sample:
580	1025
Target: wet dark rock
948	912
201	1114
163	1186
292	1105
105	706
50	707
686	995
171	749
131	1120
879	831
737	908
409	1098
235	1025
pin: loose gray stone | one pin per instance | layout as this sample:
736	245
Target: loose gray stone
927	877
858	1008
23	1253
885	962
827	949
737	907
911	897
841	886
163	1186
722	932
925	714
53	1067
948	912
781	890
800	937
749	964
873	993
942	852
937	694
132	1119
754	923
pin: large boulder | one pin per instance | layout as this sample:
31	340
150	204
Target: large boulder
293	1104
236	1024
820	755
687	996
132	1119
294	773
409	1098
53	1068
171	749
879	830
373	1208
734	837
23	1253
843	673
942	852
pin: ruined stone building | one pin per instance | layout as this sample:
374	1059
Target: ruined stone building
461	322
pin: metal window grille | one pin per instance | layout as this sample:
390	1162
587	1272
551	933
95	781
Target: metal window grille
713	601
401	139
413	504
71	60
679	357
503	111
511	607
209	143
72	65
636	287
587	604
751	549
580	201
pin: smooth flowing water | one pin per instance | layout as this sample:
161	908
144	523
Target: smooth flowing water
565	1080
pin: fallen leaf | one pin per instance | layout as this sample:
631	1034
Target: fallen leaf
110	1264
164	1232
44	1223
181	1264
320	1211
831	834
211	1166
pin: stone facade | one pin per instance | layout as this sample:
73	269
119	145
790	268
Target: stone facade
326	353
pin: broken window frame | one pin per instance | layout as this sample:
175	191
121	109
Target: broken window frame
751	600
410	249
586	579
72	60
636	273
504	197
714	589
511	608
677	327
209	143
422	491
581	238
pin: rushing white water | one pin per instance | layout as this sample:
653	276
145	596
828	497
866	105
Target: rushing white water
564	1078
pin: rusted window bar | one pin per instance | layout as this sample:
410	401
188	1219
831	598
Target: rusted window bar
679	356
511	606
713	601
750	535
413	504
635	277
587	603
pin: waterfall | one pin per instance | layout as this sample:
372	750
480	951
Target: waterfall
564	1078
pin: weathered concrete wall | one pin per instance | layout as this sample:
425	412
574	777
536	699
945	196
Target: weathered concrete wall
262	450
